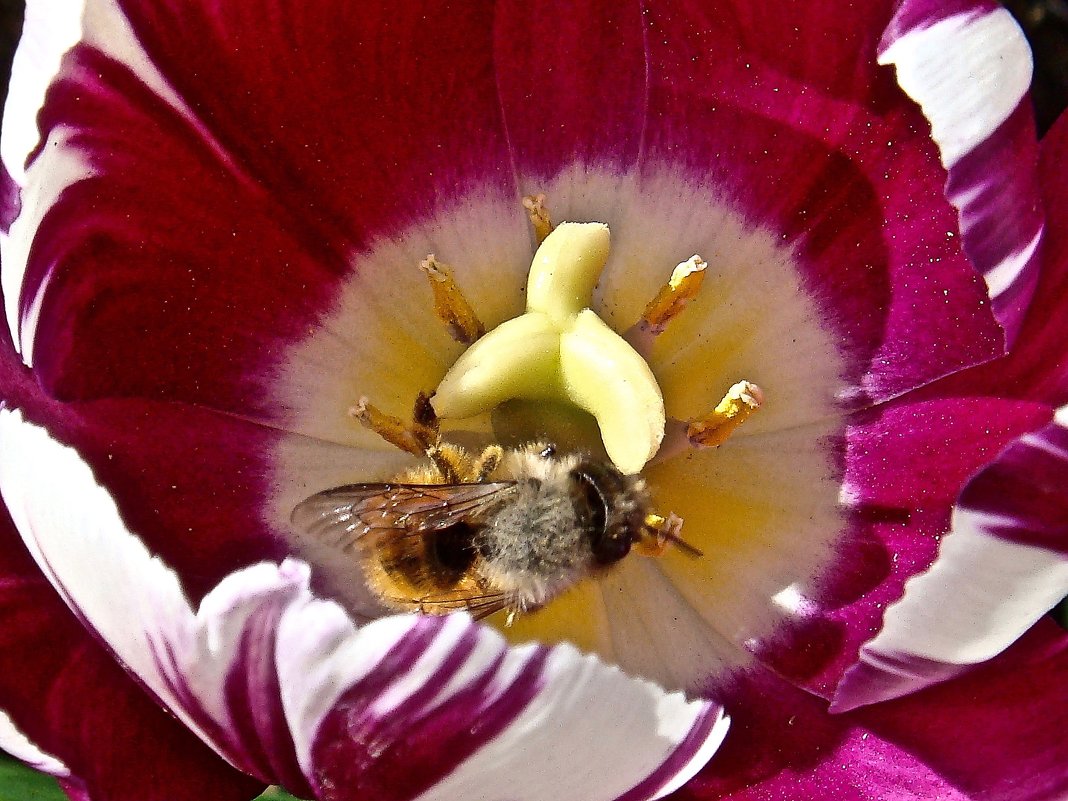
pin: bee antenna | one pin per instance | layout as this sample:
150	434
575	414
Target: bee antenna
685	547
669	531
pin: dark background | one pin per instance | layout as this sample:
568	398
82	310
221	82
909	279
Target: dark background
1044	21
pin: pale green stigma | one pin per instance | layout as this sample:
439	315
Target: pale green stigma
561	350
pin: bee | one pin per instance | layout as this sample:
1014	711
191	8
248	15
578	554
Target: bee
509	529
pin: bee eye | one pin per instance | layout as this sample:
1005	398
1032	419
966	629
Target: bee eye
548	452
609	541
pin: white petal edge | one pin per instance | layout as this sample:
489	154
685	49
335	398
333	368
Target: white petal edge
980	595
968	72
50	29
18	745
103	571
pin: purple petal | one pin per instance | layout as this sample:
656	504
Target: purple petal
1002	567
903	463
286	687
580	68
969	67
839	167
996	733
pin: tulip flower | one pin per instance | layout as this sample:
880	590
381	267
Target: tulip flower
794	270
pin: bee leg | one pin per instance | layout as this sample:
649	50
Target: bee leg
448	461
658	533
487	462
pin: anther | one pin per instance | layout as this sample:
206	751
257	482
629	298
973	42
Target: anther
415	438
450	305
737	406
680	289
539	216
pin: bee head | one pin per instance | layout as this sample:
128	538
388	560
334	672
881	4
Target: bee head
610	507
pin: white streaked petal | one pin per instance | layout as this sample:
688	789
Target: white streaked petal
962	94
54	170
1002	276
1000	569
51	27
14	742
263	671
73	530
584	721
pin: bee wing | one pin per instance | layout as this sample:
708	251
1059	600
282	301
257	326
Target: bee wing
479	605
341	516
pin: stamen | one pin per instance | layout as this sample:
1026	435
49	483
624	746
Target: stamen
737	405
681	288
539	216
450	305
415	439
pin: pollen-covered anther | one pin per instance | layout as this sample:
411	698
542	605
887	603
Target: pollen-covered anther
539	216
737	406
681	288
450	305
392	429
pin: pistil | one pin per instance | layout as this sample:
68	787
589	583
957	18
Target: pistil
560	349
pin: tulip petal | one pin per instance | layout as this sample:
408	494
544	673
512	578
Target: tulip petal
573	85
49	29
195	224
727	139
996	733
69	700
986	735
15	743
858	767
968	65
1036	368
279	682
1002	567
